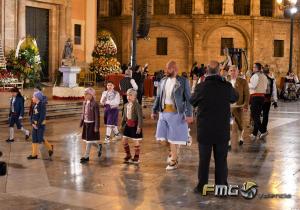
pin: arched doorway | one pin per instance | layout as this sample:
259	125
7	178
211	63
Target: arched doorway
227	36
174	46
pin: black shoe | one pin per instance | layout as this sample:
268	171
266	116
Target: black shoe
27	137
198	190
30	157
10	140
241	142
50	152
135	160
99	150
127	159
84	160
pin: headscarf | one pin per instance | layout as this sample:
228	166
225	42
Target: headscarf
90	91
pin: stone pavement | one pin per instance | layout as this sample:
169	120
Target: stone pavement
110	185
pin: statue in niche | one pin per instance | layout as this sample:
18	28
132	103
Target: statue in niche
68	59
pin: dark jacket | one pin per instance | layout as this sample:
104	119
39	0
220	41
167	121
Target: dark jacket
93	113
38	116
137	114
213	98
181	95
18	106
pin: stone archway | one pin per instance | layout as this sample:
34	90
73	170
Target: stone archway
179	48
211	41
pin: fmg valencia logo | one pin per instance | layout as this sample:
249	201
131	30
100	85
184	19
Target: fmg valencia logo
248	190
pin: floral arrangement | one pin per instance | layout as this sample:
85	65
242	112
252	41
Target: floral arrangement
7	77
25	62
104	60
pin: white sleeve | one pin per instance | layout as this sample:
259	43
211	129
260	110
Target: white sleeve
253	82
102	100
274	94
116	101
134	85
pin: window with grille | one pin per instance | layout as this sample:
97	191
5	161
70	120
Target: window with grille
266	8
213	7
226	43
184	7
115	8
161	7
242	7
278	48
162	46
77	34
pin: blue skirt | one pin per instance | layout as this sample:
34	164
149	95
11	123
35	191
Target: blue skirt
38	134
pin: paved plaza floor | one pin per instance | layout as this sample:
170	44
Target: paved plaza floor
107	184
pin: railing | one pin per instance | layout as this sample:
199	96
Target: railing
213	7
242	9
184	7
115	8
266	12
86	77
161	10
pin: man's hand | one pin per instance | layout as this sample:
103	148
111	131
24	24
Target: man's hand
275	105
96	130
138	131
153	116
34	126
189	120
20	118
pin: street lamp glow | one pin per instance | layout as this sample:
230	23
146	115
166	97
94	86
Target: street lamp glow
293	2
279	1
294	10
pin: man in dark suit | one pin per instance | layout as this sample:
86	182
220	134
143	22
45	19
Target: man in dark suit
213	98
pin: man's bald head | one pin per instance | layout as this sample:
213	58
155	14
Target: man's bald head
172	68
213	67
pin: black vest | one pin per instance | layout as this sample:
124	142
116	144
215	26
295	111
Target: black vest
125	84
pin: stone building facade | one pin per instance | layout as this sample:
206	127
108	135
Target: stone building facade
195	28
51	22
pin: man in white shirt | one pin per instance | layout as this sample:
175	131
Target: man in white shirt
258	87
175	112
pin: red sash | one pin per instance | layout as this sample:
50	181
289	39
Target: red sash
131	123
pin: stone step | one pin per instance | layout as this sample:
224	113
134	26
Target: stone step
54	111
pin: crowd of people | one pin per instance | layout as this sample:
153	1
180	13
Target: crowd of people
218	98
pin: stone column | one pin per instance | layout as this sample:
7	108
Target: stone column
127	7
172	7
228	7
198	7
21	19
255	8
91	29
10	25
152	7
68	21
104	8
62	29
